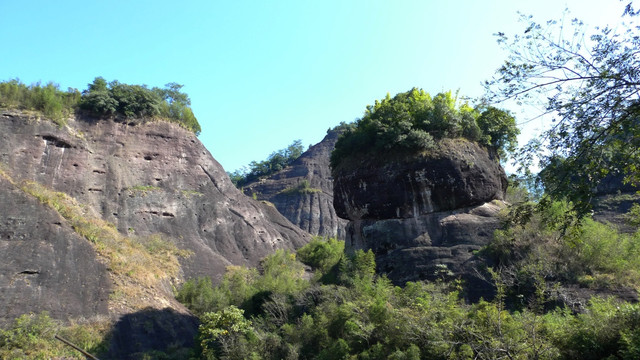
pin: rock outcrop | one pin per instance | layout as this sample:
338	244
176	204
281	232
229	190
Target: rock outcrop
153	178
423	217
303	192
614	198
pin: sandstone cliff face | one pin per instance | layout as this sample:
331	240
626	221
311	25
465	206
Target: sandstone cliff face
44	264
312	209
145	179
426	216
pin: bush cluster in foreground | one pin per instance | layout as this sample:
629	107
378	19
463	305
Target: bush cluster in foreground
346	311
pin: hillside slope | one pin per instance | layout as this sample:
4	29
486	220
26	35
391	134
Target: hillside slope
153	179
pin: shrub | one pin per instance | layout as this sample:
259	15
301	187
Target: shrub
412	122
49	99
303	187
277	161
322	254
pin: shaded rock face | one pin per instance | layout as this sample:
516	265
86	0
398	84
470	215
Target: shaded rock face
424	218
311	210
145	179
44	264
459	174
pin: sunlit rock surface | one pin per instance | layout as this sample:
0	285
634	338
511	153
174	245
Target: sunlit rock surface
153	178
311	209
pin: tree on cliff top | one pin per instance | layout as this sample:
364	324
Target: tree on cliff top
590	86
412	121
113	98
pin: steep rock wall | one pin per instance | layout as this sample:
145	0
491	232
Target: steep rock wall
146	179
312	210
425	215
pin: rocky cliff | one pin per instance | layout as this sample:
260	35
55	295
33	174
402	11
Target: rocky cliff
153	179
303	192
422	216
614	198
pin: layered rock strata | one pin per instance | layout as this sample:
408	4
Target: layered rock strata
153	178
423	216
303	192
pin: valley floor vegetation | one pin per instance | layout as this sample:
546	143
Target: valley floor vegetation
347	311
102	99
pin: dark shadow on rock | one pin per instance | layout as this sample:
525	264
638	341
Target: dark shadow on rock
153	334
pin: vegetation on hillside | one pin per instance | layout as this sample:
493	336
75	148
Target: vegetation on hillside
413	121
277	161
48	99
136	264
102	99
31	336
346	311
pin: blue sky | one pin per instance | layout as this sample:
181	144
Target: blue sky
261	74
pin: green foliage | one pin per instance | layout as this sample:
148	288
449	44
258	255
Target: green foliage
31	336
197	295
632	217
102	98
499	130
588	253
586	80
277	161
303	187
413	121
113	98
322	254
49	99
221	330
365	317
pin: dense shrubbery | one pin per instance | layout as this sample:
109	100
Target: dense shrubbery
355	314
31	336
111	99
277	161
49	99
413	121
537	244
138	101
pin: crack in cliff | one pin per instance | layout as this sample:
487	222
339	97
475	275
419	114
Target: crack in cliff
211	177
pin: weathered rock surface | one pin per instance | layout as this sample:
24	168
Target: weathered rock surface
311	210
458	174
44	264
613	201
146	179
423	217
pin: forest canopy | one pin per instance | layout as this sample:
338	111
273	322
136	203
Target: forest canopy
413	121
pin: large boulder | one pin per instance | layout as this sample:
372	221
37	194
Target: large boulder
303	191
424	215
457	174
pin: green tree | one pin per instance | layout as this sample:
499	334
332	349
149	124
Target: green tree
589	86
499	130
134	102
413	121
220	332
277	161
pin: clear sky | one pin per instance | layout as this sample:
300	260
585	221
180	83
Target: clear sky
263	73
